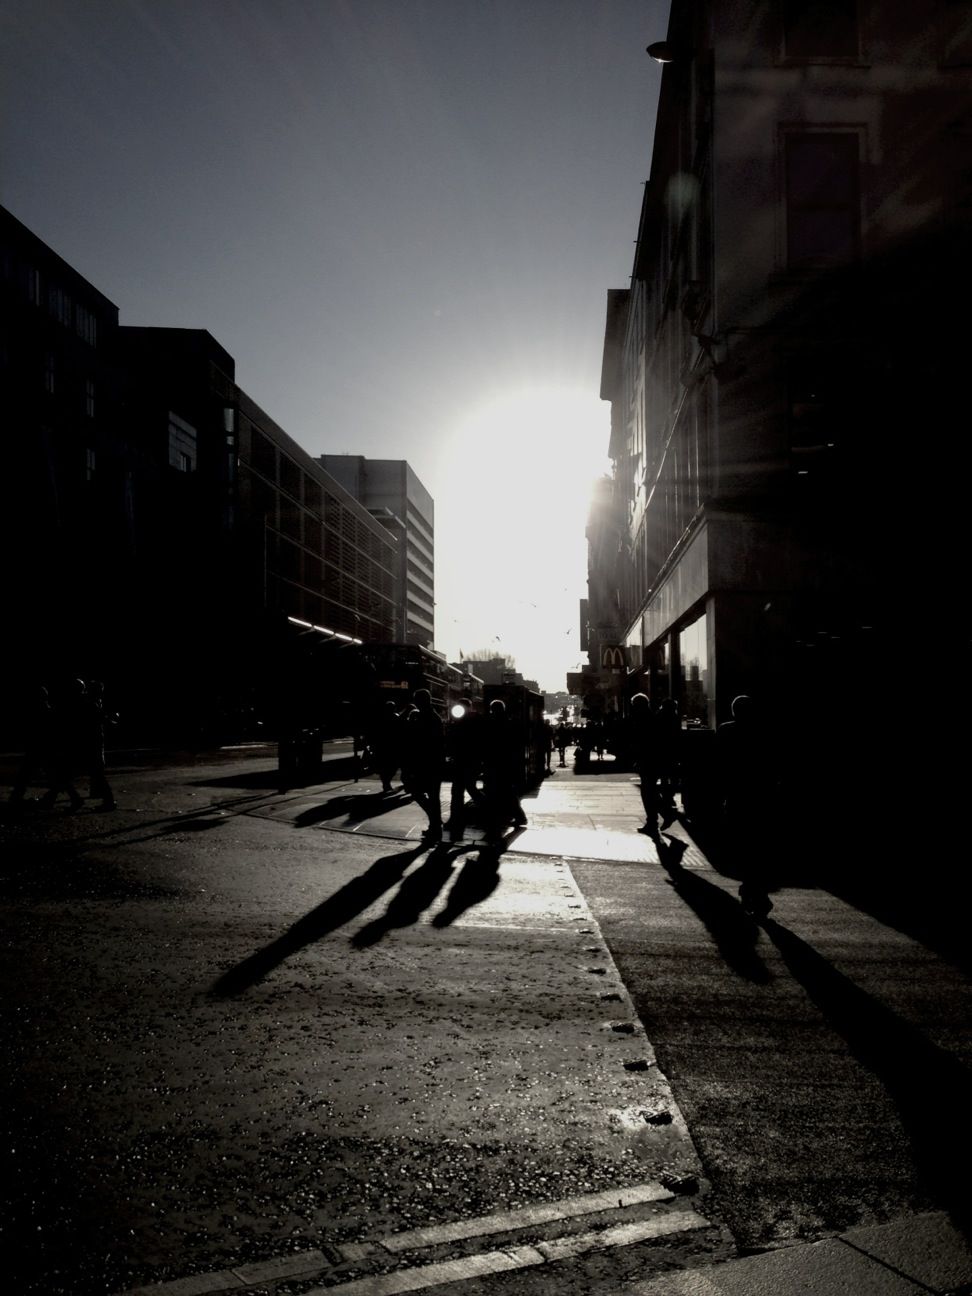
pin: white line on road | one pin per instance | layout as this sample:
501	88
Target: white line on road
310	1263
510	1221
490	1262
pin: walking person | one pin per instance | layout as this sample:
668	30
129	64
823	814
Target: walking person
93	721
36	723
502	771
747	780
385	743
563	741
669	725
643	748
464	746
423	759
68	729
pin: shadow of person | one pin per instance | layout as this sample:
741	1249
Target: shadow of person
731	928
929	1087
670	852
366	805
412	898
338	909
477	880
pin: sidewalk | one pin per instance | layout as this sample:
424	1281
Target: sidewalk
918	1254
591	816
596	816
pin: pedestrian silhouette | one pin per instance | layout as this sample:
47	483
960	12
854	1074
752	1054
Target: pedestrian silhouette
502	771
669	728
563	740
385	741
69	726
643	746
423	759
36	738
747	780
93	720
464	747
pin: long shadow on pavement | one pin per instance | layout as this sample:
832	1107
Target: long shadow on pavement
930	1088
338	909
412	898
365	805
734	932
476	882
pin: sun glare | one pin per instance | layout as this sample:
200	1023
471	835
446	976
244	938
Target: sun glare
511	557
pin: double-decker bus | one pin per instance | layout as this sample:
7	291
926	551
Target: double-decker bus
391	672
525	710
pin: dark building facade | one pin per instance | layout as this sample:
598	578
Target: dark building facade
66	484
164	531
784	370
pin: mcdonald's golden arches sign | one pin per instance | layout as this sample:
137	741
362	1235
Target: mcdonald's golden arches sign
612	657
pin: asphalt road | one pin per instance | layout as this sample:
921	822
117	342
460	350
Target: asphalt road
234	1034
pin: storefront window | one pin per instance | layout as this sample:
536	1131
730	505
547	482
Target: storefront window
659	672
694	672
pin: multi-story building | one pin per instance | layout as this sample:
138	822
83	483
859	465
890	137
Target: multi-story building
160	527
264	534
393	493
784	369
65	507
496	670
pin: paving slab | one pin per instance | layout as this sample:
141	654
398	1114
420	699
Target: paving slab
928	1248
830	1268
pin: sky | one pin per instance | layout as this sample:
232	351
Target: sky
400	217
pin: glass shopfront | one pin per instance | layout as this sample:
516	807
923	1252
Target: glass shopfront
693	664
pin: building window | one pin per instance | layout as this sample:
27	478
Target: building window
33	286
820	29
85	325
823	220
263	455
182	444
59	305
89	397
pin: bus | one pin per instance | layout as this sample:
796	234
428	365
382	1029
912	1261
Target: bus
391	672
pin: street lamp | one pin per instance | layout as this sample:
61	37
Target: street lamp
661	52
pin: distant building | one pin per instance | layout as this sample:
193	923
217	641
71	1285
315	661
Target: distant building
494	670
785	371
393	493
263	534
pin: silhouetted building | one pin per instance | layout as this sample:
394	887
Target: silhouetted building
392	491
160	528
784	369
264	533
68	529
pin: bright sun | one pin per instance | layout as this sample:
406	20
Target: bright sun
511	554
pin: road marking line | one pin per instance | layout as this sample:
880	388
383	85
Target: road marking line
623	1234
304	1264
446	1271
310	1262
490	1262
510	1221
